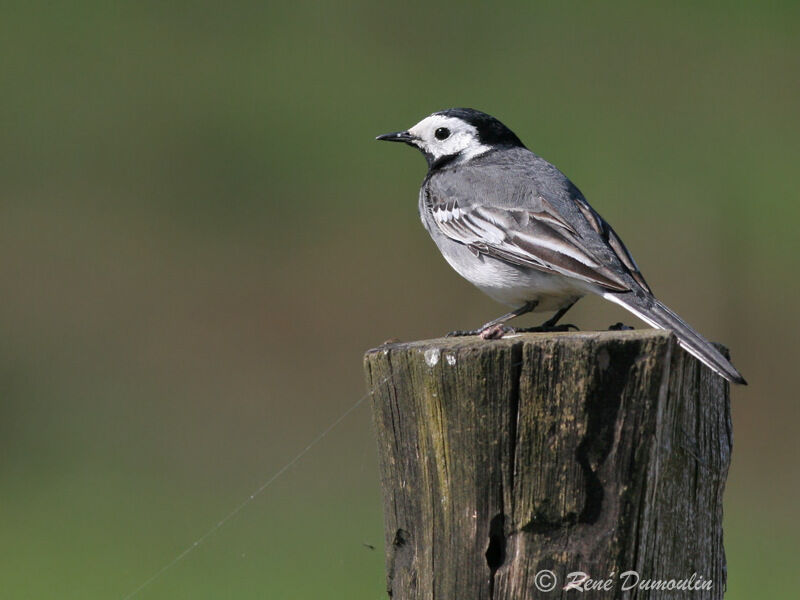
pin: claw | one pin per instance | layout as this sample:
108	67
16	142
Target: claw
495	332
619	326
463	332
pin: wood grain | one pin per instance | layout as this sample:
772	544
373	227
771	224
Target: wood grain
600	452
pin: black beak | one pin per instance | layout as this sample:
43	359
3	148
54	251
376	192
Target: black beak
397	136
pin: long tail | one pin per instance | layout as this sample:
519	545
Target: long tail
653	312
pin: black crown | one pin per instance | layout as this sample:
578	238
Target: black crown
491	132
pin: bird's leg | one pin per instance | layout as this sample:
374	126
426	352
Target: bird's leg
551	323
495	329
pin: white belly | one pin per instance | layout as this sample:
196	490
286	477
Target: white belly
514	286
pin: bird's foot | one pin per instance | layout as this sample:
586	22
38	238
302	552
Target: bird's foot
493	332
619	326
548	328
463	332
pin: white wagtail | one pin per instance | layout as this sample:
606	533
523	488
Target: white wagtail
513	225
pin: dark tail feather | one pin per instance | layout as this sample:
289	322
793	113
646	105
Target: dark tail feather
658	315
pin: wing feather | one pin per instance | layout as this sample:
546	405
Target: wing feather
612	239
536	239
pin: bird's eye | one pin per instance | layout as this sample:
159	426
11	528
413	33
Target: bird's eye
442	133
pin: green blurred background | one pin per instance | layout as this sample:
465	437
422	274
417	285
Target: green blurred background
200	238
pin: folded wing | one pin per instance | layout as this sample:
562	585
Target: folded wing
540	239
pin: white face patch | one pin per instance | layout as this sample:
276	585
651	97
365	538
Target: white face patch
461	140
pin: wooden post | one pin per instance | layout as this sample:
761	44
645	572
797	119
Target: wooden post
507	465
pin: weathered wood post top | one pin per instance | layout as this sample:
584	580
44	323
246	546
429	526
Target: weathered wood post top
507	465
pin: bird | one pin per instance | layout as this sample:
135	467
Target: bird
518	229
